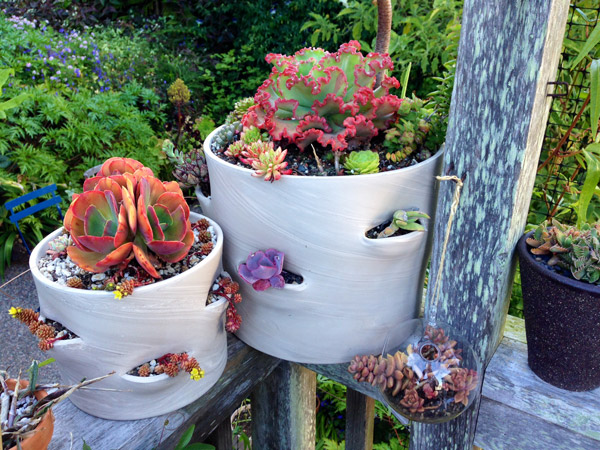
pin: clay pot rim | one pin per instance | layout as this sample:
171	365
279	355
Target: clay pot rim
36	273
46	425
581	286
305	179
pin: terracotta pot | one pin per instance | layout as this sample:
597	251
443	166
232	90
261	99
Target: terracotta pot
354	288
562	323
169	316
43	432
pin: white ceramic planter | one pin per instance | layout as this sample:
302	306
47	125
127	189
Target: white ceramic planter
169	316
354	288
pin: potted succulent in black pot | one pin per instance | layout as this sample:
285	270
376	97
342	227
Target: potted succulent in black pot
560	273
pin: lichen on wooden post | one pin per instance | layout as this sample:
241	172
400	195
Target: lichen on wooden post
283	409
508	52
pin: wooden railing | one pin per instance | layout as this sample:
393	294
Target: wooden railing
518	410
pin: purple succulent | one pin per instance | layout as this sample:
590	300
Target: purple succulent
263	270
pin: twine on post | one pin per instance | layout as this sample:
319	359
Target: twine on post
453	209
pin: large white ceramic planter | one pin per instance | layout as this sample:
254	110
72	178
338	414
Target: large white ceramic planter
169	316
354	288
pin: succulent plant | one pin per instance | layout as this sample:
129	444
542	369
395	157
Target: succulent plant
163	223
413	402
225	135
116	173
266	161
178	92
462	381
263	270
415	381
573	249
235	150
387	373
101	231
239	109
326	97
125	212
404	220
363	162
190	169
408	133
250	135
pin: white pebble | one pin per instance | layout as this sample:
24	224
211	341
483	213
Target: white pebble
98	277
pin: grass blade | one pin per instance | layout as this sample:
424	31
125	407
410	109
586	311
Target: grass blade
595	96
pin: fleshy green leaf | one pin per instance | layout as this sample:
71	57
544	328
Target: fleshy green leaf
186	437
13	102
595	96
199	446
4	74
592	177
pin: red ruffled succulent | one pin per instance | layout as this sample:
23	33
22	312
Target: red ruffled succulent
326	97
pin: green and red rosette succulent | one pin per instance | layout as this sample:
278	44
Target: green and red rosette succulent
124	213
330	98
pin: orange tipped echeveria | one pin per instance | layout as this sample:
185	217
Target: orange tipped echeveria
125	212
100	230
116	173
163	223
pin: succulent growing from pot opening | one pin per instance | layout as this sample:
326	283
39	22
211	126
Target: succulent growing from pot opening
263	270
404	220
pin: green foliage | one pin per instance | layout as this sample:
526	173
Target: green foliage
420	34
184	441
54	138
330	422
13	102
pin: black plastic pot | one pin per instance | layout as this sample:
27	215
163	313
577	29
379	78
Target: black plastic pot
562	322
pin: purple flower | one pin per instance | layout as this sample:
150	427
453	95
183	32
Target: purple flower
263	270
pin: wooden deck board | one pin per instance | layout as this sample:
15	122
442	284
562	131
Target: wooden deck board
518	410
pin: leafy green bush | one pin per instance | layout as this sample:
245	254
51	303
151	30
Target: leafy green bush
419	36
54	137
388	434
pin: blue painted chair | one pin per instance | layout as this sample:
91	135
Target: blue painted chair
16	216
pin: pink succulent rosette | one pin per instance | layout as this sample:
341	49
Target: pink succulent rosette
263	270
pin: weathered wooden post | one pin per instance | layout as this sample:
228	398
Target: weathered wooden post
508	53
283	409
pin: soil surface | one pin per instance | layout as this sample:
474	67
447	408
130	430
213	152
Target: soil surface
305	164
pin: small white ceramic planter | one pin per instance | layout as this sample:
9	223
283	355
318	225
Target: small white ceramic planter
169	316
354	288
